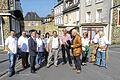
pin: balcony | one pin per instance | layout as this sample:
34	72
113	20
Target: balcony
98	1
71	7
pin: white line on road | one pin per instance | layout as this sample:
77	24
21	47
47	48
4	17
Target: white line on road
114	51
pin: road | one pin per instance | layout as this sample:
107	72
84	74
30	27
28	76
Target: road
65	72
3	62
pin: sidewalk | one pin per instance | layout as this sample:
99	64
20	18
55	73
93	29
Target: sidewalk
3	63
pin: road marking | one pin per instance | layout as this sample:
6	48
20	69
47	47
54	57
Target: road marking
114	51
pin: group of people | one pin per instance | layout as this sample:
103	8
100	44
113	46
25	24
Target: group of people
39	49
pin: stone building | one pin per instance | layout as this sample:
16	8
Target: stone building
33	21
11	18
58	15
71	13
115	22
95	15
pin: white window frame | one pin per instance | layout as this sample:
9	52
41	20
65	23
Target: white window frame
98	16
88	2
88	17
98	1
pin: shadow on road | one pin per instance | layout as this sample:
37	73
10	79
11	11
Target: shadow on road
3	60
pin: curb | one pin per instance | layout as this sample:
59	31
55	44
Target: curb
114	46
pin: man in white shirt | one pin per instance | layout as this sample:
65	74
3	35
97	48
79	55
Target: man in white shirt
102	48
66	45
23	46
54	44
40	49
95	46
11	47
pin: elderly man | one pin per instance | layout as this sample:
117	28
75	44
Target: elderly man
66	42
77	49
102	48
53	47
23	46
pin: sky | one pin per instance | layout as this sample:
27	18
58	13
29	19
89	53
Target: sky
41	7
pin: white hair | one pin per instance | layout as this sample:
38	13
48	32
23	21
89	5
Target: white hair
74	30
101	33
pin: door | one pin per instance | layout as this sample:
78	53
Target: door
91	31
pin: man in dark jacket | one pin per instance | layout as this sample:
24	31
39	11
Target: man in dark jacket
32	49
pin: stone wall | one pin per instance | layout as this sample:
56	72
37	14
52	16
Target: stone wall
6	27
115	28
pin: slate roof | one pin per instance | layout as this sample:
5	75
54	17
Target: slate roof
32	16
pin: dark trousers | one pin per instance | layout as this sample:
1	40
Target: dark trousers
25	56
46	56
32	63
65	49
77	62
84	57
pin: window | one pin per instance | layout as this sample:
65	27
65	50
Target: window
67	19
118	23
88	17
88	2
98	1
99	15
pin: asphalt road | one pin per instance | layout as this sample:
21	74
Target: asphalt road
3	62
65	72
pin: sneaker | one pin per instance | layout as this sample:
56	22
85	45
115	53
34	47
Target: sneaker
56	65
78	71
48	66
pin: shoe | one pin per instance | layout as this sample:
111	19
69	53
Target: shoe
56	65
78	71
48	66
33	71
83	64
63	63
11	74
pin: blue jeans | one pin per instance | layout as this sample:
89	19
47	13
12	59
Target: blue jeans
39	57
12	60
101	59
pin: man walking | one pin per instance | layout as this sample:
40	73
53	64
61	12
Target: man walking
77	50
32	49
23	46
11	47
66	41
53	46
